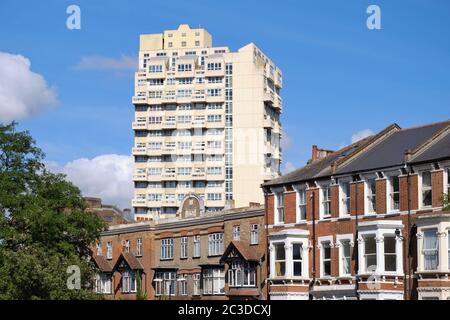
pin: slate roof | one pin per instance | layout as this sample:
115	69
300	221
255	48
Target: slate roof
439	150
385	152
391	151
318	168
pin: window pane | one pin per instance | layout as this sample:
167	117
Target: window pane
297	251
370	245
326	251
430	250
297	269
426	179
390	257
279	252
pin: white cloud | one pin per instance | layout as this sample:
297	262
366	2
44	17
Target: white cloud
23	93
96	62
361	135
288	167
286	142
107	176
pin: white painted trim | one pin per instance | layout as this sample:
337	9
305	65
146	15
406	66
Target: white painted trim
321	240
339	239
340	196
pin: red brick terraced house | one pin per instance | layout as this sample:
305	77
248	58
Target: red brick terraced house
365	222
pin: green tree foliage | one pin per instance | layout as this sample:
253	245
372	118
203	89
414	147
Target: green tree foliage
445	201
43	225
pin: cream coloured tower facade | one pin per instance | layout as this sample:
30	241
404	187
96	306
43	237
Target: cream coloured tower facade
207	122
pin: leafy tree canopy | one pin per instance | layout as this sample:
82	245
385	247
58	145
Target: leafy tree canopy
44	227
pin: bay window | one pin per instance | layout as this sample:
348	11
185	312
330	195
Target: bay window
381	248
280	260
430	249
102	283
182	284
128	281
297	261
390	254
242	274
196	282
213	281
370	253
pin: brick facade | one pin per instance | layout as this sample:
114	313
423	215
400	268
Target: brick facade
151	264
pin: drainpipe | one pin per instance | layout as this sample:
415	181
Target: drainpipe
407	284
356	243
311	284
266	220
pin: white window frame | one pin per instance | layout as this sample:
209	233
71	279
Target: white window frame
340	239
129	281
342	204
241	273
99	249
182	285
379	229
447	180
213	281
367	202
103	283
287	238
167	245
215	243
184	247
301	260
389	202
322	186
322	241
236	232
254	234
139	247
278	192
422	188
196	279
109	250
197	246
300	205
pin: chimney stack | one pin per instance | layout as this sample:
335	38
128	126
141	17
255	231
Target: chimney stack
314	153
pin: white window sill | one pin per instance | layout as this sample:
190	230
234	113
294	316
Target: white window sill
393	213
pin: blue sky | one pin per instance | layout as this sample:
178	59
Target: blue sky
339	77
